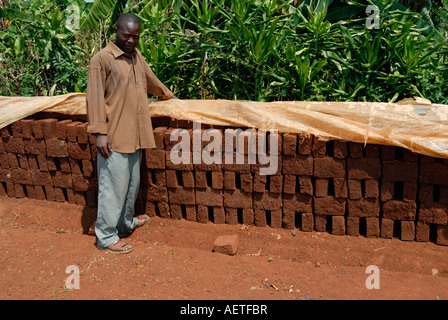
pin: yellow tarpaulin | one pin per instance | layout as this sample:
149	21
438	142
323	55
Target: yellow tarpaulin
414	124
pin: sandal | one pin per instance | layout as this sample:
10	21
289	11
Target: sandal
118	246
143	220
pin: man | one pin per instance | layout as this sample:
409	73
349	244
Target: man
118	114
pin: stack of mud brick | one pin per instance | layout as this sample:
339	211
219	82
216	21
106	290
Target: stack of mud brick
48	159
339	187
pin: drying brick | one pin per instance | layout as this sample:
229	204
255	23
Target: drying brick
399	210
328	167
298	165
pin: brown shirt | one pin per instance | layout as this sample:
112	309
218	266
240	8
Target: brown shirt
117	99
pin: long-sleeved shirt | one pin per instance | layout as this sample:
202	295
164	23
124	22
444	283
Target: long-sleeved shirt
117	98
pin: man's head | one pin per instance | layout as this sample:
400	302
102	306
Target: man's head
127	32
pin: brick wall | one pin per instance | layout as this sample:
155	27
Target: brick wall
338	187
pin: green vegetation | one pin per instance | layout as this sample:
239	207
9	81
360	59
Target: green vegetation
264	50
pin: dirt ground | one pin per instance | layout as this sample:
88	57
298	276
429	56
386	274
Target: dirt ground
173	260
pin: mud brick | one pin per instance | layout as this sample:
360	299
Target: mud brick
371	188
27	129
259	182
321	187
276	218
80	198
49	193
188	165
442	235
51	164
387	228
38	132
319	147
275	184
13	162
298	165
23	161
34	146
267	200
179	178
56	148
400	171
19	190
75	166
434	173
289	144
363	207
329	167
338	225
372	227
200	178
188	178
407	230
231	215
329	206
320	223
363	168
353	226
81	133
5	175
406	191
209	197
4	161
14	145
432	212
80	183
306	185
30	193
10	189
237	199
39	192
156	193
155	159
202	214
49	128
340	187
229	180
41	178
16	129
5	132
232	162
2	146
399	210
181	195
219	215
304	144
298	202
70	129
32	162
396	153
422	231
93	151
272	167
337	149
61	131
289	219
3	192
58	195
181	211
289	184
307	222
87	168
246	181
79	151
150	208
163	208
21	176
159	134
62	180
260	218
71	196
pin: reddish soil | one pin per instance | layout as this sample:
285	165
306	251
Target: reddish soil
174	260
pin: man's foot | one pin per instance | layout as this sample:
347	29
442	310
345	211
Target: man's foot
143	220
118	246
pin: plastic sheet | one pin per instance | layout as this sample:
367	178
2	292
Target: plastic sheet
414	124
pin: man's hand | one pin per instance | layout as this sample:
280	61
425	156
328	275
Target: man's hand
103	145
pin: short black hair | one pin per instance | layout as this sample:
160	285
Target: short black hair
127	17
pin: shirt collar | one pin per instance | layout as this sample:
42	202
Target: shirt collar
116	51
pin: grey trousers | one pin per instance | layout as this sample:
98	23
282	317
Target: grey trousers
118	185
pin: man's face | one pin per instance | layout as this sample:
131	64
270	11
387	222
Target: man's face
127	36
